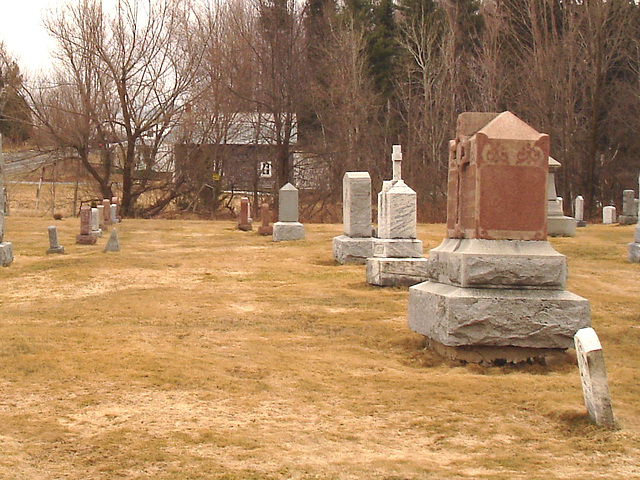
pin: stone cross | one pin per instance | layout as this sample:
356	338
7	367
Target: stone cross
356	204
54	246
595	387
396	157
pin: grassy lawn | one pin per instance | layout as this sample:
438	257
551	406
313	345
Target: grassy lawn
202	352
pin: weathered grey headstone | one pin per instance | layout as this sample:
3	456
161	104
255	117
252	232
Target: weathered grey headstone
54	246
113	208
579	211
634	247
6	248
356	244
397	253
114	217
113	244
287	227
95	223
595	387
629	208
85	237
496	288
609	215
558	225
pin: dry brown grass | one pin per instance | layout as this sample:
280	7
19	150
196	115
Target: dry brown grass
203	352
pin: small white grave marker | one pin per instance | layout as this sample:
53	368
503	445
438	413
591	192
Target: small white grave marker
595	387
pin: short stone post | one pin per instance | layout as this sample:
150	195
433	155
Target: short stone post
54	246
85	237
244	223
595	387
356	244
6	248
287	227
265	228
579	211
609	215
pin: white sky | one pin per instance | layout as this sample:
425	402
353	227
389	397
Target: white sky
23	34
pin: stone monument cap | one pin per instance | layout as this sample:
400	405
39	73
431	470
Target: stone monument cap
507	126
554	164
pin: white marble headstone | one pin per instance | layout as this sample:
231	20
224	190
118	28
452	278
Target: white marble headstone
609	215
356	204
579	208
595	387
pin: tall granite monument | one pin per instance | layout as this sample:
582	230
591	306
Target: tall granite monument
497	288
356	244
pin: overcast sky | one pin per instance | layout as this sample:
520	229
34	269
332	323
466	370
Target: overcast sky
23	34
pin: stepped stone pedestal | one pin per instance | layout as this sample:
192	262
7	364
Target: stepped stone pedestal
496	287
356	244
397	253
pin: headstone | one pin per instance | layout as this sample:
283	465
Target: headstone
634	247
579	211
397	253
95	223
106	205
85	237
629	208
113	244
265	228
356	244
6	248
54	246
115	218
609	215
244	223
558	225
287	227
496	287
595	387
113	208
101	223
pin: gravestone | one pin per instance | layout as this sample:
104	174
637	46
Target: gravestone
113	244
356	243
265	228
634	247
244	223
115	218
54	246
113	208
579	211
558	225
287	227
629	208
397	253
95	223
6	248
609	215
106	206
101	223
85	237
496	287
593	375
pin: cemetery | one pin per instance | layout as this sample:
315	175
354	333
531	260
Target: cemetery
198	350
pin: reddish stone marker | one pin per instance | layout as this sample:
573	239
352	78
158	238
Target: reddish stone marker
85	236
244	223
265	228
498	169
